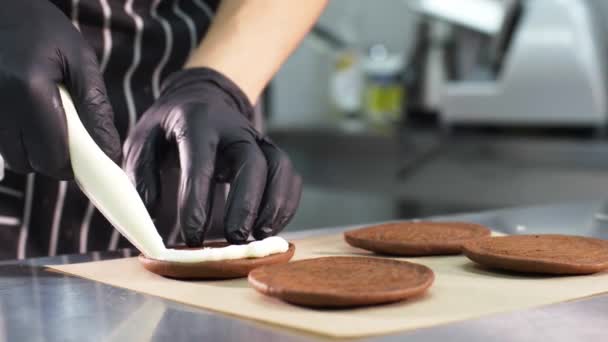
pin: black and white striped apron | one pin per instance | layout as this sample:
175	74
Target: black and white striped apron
138	43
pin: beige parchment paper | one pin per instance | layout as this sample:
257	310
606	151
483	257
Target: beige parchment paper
461	291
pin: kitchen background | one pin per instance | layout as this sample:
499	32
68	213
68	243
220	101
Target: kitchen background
409	108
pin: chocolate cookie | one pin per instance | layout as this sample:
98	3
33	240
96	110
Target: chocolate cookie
224	269
549	254
416	238
342	281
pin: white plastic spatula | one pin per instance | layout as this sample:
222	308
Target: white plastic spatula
108	187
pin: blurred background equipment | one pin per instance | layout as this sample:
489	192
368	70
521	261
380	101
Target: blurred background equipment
384	92
501	103
522	63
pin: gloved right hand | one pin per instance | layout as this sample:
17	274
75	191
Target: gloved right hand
40	48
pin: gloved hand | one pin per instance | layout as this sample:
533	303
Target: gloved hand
41	48
207	117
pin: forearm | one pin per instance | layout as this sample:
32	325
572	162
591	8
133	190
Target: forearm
250	39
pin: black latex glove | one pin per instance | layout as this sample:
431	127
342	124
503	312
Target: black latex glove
40	48
207	117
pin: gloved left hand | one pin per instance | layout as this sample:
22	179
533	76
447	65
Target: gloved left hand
208	117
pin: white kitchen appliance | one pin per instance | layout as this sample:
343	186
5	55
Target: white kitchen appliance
546	68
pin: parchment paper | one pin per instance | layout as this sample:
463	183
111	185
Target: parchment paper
461	291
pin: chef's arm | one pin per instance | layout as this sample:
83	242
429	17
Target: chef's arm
206	110
250	39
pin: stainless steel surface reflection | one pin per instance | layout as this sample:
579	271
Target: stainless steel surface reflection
39	305
579	218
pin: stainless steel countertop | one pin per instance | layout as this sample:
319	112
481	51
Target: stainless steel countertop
38	305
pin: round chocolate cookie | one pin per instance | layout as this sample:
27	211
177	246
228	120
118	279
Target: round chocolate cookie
224	269
549	254
335	282
416	238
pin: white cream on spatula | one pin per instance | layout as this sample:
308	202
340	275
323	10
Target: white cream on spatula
255	249
109	188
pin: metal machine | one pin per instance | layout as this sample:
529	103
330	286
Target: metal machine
536	63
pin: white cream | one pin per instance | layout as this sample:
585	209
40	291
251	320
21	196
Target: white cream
255	249
109	188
